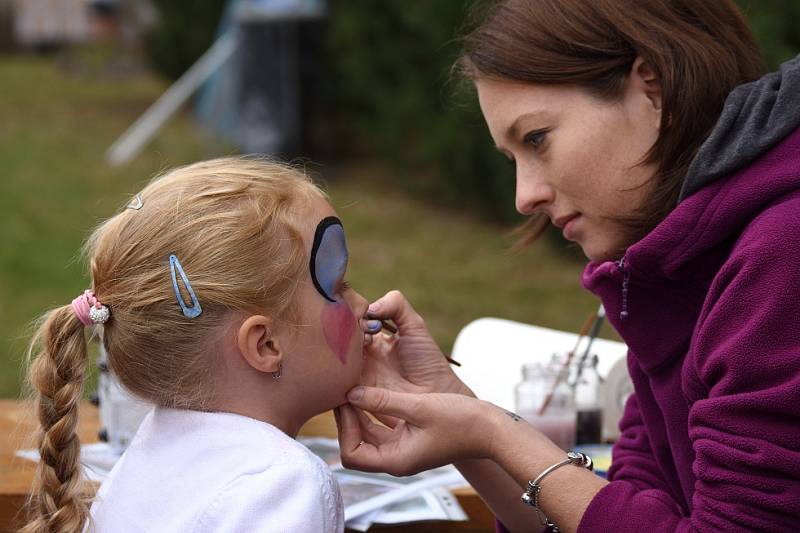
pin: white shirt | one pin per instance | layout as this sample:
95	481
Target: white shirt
191	472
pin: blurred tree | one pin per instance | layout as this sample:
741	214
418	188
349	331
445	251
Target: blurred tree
774	23
391	64
184	31
6	26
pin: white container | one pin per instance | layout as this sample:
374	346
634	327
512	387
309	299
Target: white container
121	412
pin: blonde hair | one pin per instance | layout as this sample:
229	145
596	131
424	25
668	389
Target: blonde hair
232	223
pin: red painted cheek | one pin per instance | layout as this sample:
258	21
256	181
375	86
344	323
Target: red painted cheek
338	326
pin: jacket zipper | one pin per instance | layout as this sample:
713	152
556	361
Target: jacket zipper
626	277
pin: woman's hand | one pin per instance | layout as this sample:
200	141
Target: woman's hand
409	361
431	430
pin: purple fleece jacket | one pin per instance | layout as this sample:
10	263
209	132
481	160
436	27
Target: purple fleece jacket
710	440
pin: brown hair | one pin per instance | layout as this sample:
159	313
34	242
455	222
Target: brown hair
233	225
699	49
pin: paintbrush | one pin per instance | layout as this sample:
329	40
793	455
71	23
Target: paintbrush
592	318
598	323
388	327
393	330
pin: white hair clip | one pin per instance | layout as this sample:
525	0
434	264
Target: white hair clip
135	203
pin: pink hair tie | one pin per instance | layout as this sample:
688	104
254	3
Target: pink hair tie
89	310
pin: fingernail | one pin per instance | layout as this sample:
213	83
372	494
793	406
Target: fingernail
355	394
374	307
374	326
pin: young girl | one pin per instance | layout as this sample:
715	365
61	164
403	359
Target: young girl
219	296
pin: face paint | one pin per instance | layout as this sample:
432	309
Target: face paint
328	264
338	325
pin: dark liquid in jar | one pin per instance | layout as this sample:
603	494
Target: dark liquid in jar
589	428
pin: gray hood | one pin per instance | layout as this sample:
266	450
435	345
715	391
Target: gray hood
755	117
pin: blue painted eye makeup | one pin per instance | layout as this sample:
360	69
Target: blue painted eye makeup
328	262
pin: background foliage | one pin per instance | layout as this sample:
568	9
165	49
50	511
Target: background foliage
183	33
394	82
385	73
774	23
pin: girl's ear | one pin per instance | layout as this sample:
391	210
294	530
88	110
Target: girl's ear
257	344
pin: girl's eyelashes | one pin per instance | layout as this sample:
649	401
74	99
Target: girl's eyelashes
345	286
536	138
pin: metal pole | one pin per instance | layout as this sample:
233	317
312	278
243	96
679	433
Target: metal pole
140	132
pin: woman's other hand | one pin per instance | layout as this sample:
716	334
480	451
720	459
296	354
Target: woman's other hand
431	430
410	360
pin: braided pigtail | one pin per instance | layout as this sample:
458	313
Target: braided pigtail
60	497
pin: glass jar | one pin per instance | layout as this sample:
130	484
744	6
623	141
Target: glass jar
557	421
588	403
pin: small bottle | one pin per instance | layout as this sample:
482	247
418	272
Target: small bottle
557	422
588	406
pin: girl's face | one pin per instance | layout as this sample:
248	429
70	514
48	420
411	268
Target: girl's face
328	347
577	158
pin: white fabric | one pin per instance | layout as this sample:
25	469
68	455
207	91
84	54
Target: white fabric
191	472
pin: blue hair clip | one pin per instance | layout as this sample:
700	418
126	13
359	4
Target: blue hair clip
195	309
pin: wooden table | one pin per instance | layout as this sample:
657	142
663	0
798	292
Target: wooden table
18	423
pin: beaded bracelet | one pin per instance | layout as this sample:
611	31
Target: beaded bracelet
531	494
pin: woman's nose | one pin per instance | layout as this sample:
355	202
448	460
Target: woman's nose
532	193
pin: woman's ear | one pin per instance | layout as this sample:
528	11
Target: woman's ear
644	79
258	345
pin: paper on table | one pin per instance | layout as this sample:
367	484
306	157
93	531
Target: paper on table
400	493
432	504
380	498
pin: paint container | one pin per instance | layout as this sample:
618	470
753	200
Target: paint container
557	422
588	406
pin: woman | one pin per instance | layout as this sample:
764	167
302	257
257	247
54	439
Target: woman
644	131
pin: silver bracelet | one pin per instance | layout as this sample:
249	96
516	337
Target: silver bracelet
531	494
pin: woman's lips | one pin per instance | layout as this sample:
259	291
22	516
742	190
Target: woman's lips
569	227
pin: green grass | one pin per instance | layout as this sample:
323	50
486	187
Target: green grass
55	187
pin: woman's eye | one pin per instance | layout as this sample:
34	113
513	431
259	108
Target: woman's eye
535	138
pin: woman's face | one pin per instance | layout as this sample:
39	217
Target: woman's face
577	158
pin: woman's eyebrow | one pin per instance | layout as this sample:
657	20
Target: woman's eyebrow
513	130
